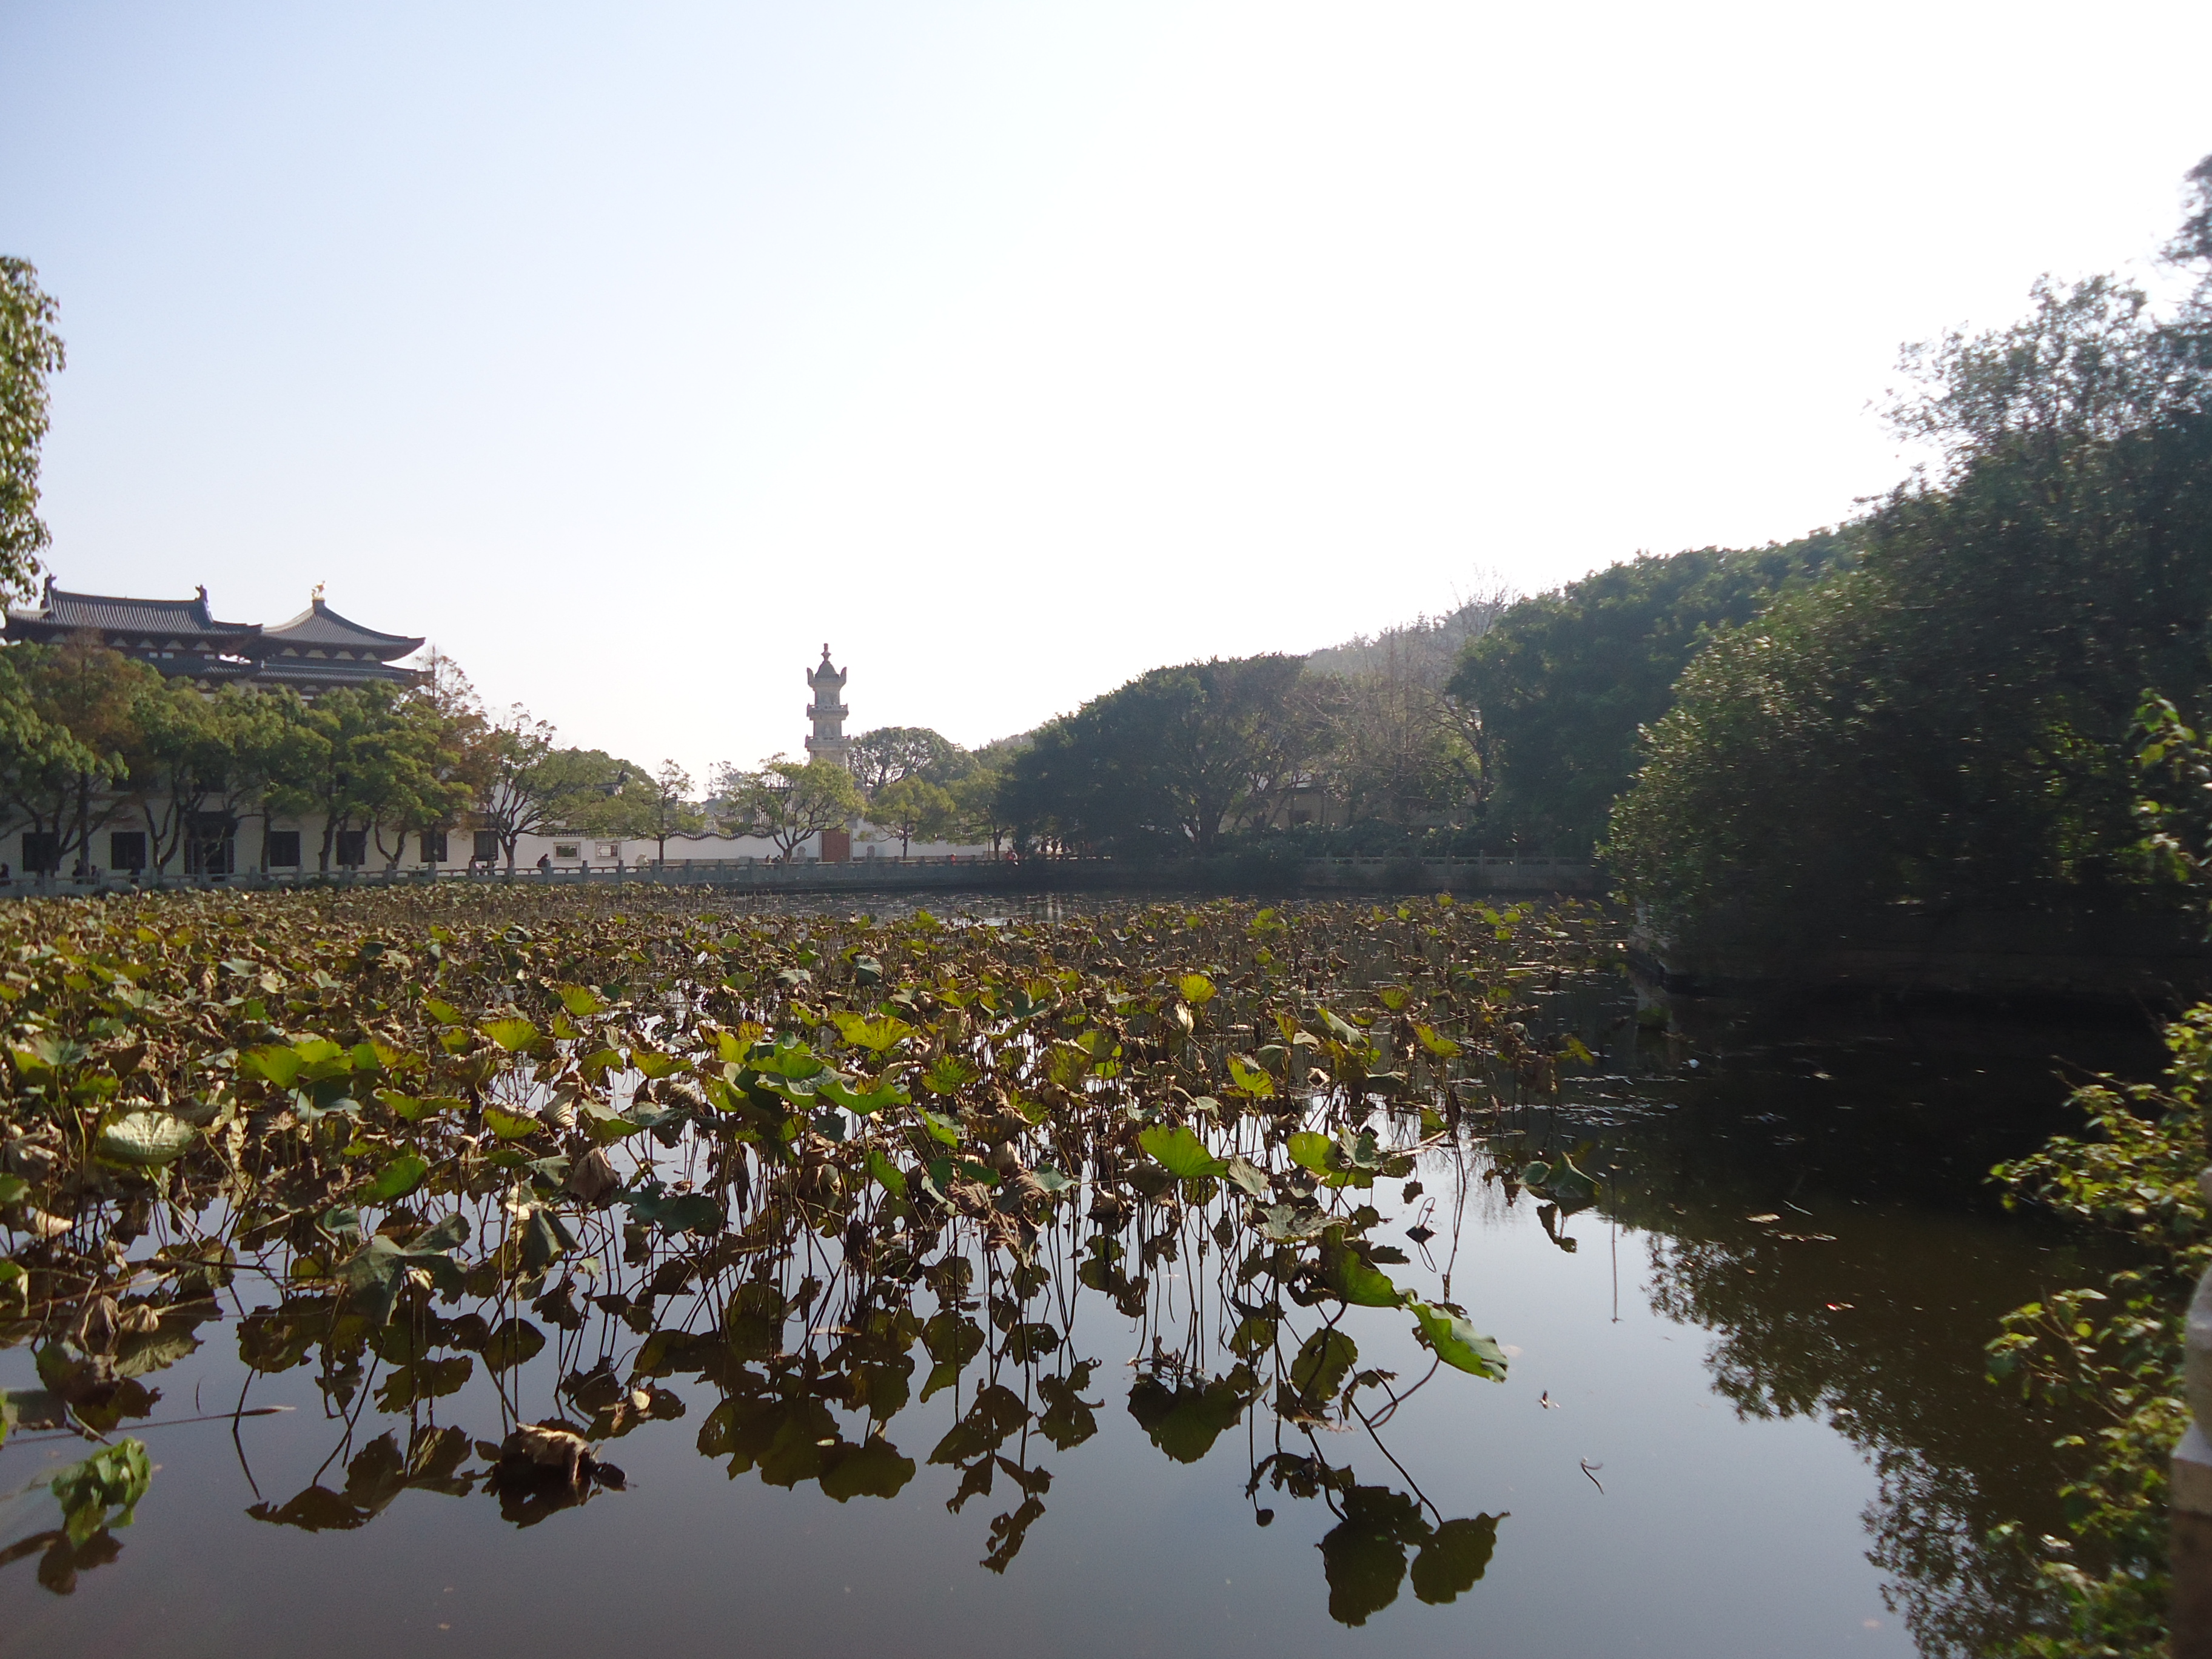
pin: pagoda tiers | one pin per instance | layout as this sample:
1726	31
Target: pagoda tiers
317	649
828	711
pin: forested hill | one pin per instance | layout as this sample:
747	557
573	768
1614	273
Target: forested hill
1563	682
1428	647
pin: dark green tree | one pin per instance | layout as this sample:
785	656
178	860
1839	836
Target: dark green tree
882	756
1560	687
1170	761
1950	723
30	351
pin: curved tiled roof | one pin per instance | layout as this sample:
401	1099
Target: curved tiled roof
178	619
322	628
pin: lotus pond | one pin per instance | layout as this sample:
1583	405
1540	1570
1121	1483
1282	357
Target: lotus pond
555	1272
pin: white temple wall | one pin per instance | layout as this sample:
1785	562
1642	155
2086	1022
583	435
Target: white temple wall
123	842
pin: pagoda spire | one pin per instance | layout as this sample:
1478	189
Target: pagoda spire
828	711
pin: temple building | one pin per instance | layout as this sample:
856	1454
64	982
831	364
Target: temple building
314	651
827	712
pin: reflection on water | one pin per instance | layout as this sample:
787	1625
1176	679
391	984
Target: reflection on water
1745	1412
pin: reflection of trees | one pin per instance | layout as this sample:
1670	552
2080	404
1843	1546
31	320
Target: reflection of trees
1878	1330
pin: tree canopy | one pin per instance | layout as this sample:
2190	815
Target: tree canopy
786	801
888	753
30	351
1169	761
1950	721
1560	686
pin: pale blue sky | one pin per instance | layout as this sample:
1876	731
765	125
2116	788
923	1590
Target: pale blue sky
629	353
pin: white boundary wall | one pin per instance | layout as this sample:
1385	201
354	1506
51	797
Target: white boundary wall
562	852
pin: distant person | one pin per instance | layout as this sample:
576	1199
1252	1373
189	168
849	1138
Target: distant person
5	879
545	864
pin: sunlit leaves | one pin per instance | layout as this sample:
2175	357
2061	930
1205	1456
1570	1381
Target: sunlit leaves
1180	1152
1346	1271
112	1478
1441	1046
1457	1342
145	1139
396	1179
513	1035
948	1074
878	1036
886	1174
510	1125
579	1000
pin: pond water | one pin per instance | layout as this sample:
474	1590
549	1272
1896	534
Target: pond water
1745	1415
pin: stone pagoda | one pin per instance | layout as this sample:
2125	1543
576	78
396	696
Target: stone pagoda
827	712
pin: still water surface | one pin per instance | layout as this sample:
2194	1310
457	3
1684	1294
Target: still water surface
1722	1436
